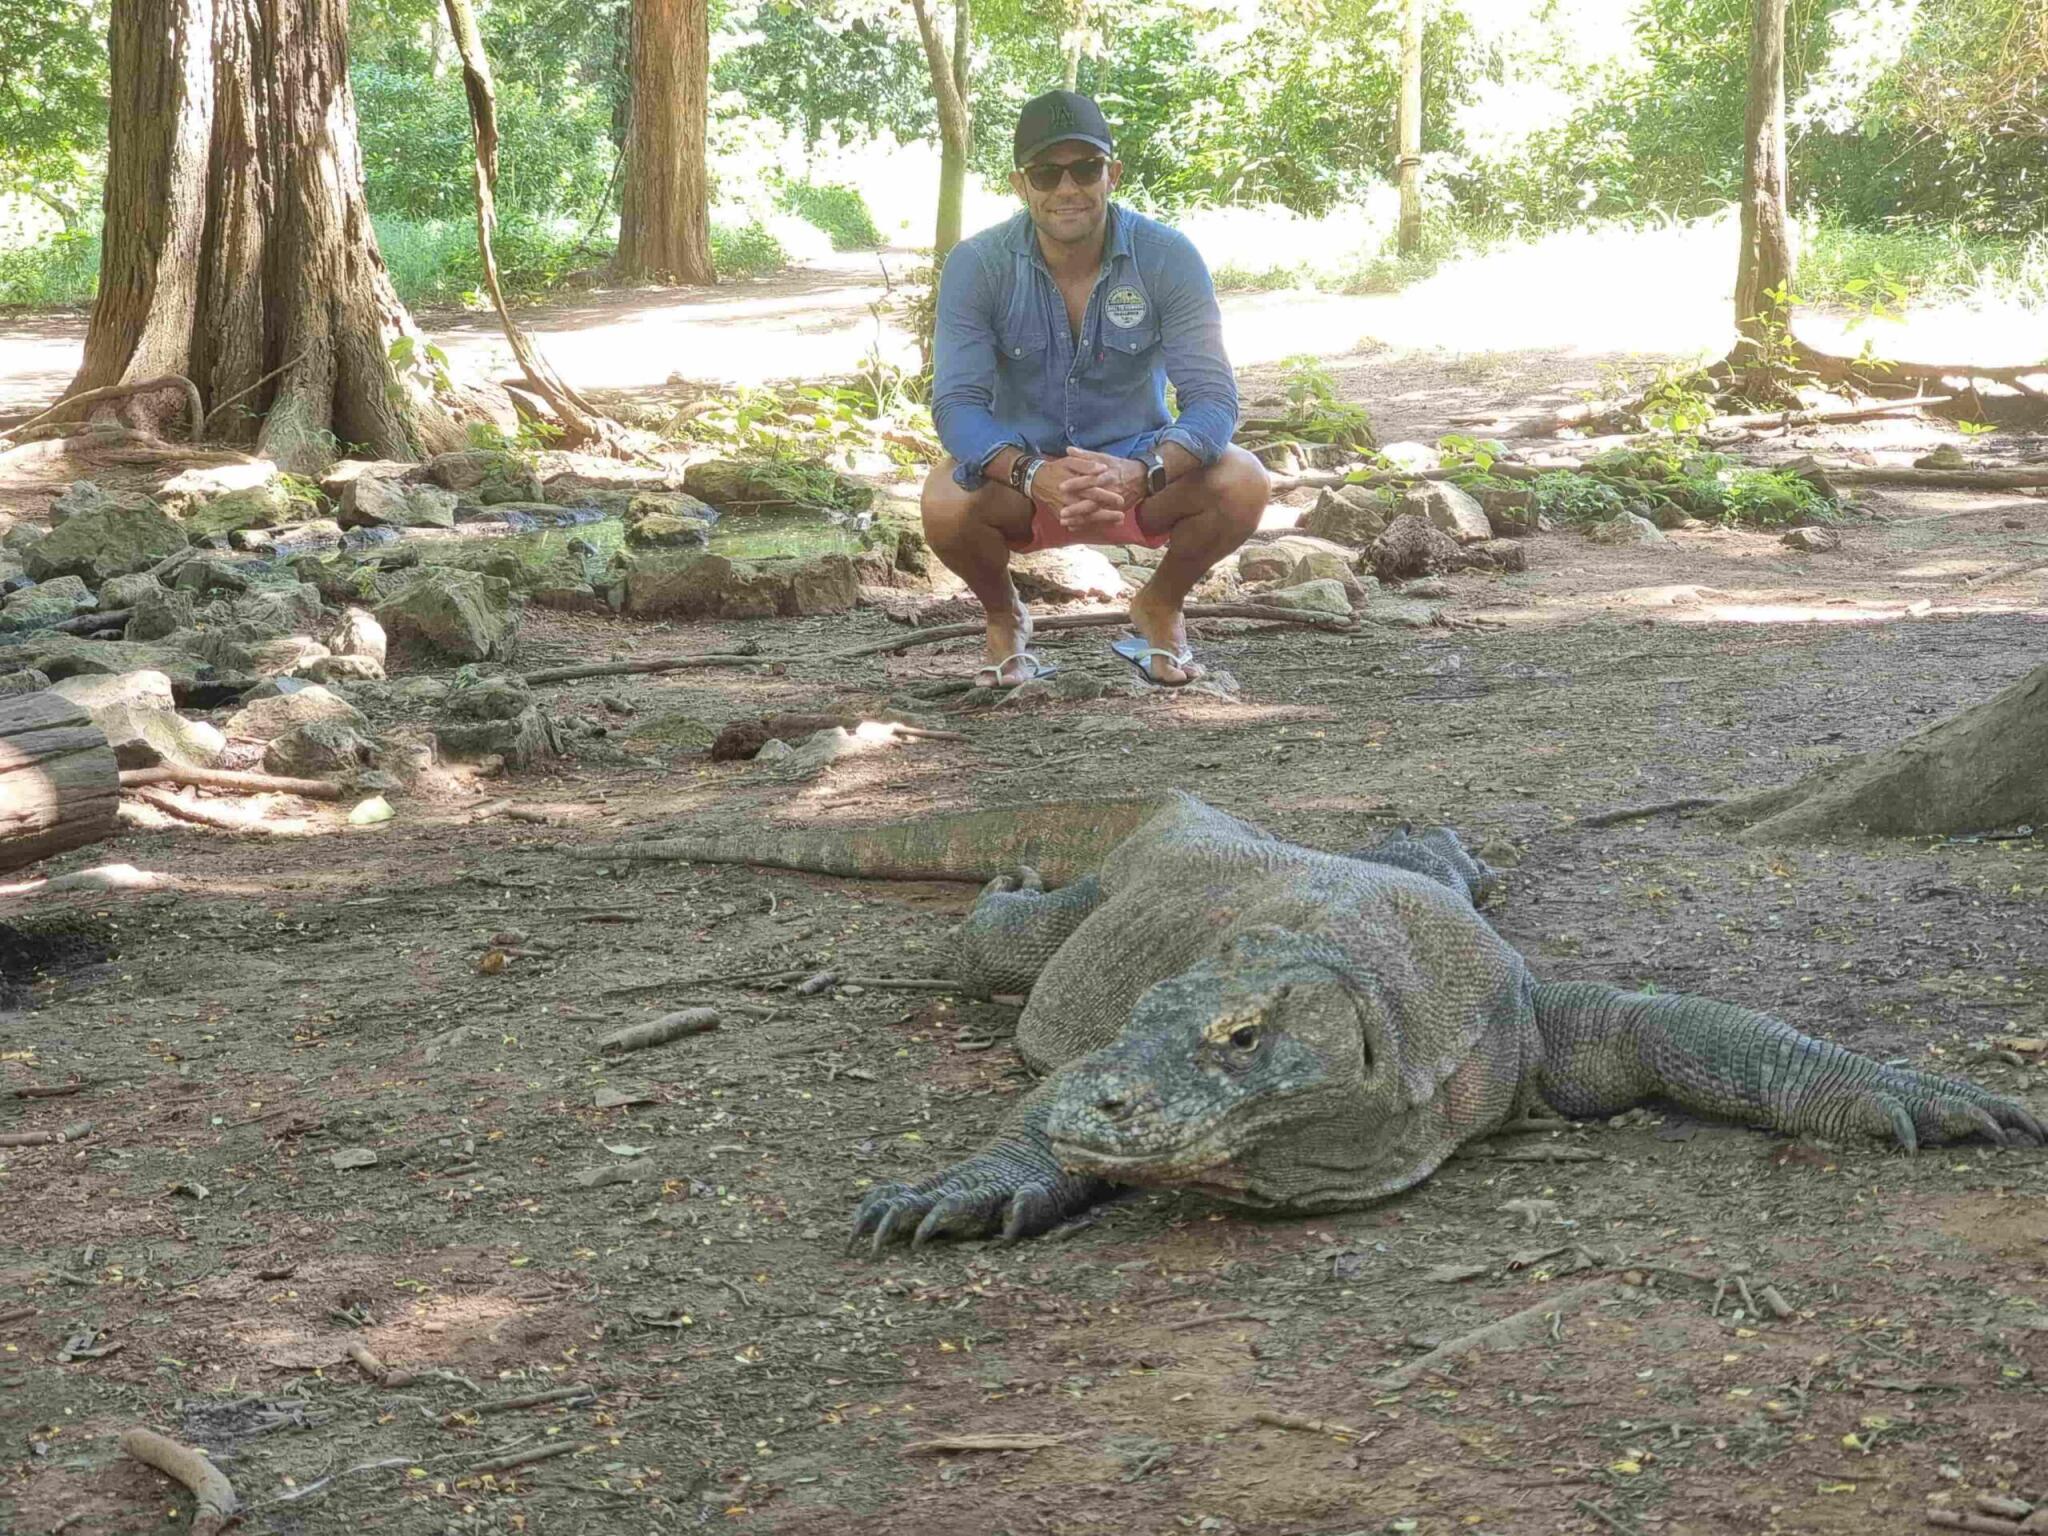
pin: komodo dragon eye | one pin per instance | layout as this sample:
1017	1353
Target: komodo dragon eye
1246	1037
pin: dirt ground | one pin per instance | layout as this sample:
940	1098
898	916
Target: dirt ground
664	1230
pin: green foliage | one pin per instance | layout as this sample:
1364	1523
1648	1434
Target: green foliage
1569	497
63	269
53	102
1315	412
747	251
516	450
1460	450
841	212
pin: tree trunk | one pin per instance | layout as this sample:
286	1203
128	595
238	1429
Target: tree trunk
59	785
1076	42
1977	771
949	86
237	241
1409	166
664	207
1763	272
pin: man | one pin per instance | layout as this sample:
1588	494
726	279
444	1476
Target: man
1057	333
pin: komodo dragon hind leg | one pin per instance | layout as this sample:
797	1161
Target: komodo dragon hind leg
1605	1049
1439	855
1016	927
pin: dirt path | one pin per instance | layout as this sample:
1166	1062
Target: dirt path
664	1229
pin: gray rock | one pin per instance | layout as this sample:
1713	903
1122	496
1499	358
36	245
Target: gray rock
319	749
1076	686
21	535
293	609
646	504
112	539
1625	528
495	718
658	530
1264	562
136	713
154	614
774	750
814	754
602	482
1322	565
1426	587
1324	596
49	603
1947	456
376	501
1412	458
1495	555
203	483
127	591
1812	540
1071	573
266	719
685	585
84	496
359	634
1347	514
1411	547
488	475
1510	510
343	668
450	614
277	687
28	680
203	575
75	656
1450	508
252	651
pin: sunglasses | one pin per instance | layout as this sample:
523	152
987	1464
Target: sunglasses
1085	173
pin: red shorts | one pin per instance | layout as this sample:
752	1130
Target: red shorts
1048	532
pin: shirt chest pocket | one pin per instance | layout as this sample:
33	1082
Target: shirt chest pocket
1127	354
1023	338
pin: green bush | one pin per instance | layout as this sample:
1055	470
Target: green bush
436	260
841	212
746	251
64	269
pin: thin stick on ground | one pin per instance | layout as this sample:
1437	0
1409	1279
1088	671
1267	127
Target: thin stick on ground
1509	1330
519	1459
691	1021
982	1443
1968	1520
215	1495
78	1132
1940	479
223	778
1311	1426
1642	812
533	1399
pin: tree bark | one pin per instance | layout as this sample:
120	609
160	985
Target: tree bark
59	785
1763	273
1408	168
664	206
949	87
1977	771
236	237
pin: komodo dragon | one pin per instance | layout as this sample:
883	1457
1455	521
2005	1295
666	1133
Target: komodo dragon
1221	1011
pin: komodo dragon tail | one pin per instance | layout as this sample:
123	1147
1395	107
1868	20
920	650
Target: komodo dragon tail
1061	839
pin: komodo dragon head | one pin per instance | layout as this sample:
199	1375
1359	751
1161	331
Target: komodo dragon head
1269	1076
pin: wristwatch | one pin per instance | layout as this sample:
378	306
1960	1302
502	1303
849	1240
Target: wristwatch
1155	471
1022	468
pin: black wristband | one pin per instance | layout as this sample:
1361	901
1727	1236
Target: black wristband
1021	469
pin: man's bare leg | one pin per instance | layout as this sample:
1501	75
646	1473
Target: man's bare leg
970	532
1207	515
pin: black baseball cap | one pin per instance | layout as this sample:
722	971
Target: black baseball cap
1056	117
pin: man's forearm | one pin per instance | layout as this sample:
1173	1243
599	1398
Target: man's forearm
1179	462
998	468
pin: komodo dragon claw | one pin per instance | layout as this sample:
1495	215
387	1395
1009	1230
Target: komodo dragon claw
997	1191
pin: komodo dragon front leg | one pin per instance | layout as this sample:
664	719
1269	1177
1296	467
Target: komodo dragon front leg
1605	1049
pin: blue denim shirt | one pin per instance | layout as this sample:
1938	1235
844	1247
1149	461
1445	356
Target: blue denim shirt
1008	372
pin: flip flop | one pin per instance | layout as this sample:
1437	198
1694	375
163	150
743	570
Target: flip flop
1138	651
993	671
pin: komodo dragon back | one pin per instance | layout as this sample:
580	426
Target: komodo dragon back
1061	839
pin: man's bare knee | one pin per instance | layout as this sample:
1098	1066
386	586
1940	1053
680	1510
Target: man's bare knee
1241	487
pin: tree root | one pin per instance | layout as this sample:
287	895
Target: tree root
117	391
215	1495
222	778
641	1037
1641	812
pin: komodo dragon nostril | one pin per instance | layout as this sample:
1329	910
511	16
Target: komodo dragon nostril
1115	1106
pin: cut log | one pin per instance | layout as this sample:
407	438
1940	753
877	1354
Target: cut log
59	785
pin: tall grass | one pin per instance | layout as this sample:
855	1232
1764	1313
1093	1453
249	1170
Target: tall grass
1932	265
62	269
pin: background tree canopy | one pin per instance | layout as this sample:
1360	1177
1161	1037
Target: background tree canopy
1906	114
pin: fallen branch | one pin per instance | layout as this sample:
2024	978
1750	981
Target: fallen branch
644	666
1640	812
1941	479
1508	1330
519	1459
691	1021
982	1443
899	983
198	815
1214	1317
91	623
1965	1520
2000	573
78	1132
222	778
114	392
51	1091
214	1495
1819	415
1312	1426
532	1399
17	1315
1266	611
246	391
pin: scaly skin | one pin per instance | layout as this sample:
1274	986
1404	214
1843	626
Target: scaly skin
1222	1011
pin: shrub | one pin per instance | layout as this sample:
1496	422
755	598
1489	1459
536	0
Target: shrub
841	212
